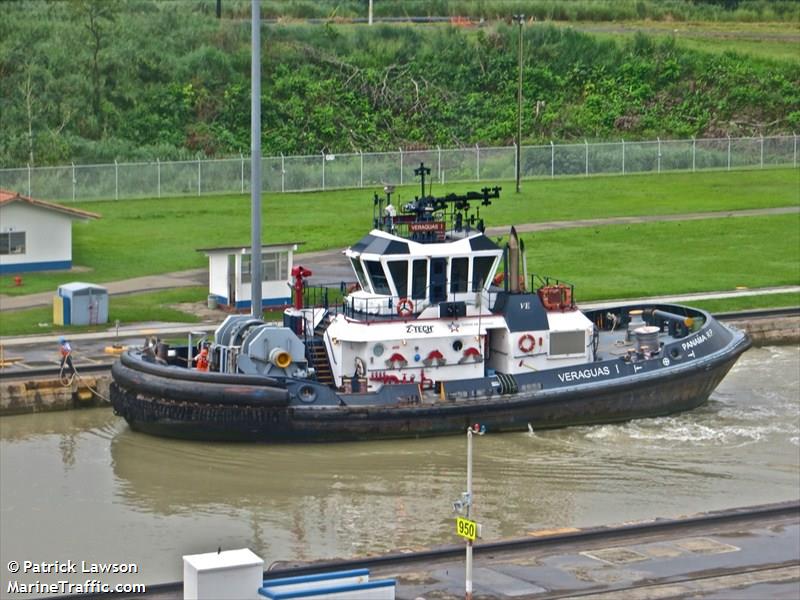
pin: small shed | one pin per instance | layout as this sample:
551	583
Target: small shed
80	303
36	235
229	274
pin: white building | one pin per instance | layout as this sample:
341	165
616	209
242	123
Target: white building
36	235
229	274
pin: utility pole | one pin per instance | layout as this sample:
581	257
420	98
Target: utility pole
369	18
255	159
519	19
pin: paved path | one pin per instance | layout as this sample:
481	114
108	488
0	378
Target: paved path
335	267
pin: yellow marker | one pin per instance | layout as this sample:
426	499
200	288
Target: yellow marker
466	528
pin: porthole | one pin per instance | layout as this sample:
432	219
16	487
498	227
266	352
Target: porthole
457	345
378	349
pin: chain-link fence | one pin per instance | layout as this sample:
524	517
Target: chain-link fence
336	171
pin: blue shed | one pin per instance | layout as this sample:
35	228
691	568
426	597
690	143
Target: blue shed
80	303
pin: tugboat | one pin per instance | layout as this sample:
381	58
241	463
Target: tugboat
432	337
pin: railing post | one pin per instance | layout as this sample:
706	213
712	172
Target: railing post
659	154
762	150
283	173
361	176
116	180
694	152
552	159
198	175
623	157
29	181
729	152
439	159
241	158
158	176
401	166
73	182
323	170
477	162
586	145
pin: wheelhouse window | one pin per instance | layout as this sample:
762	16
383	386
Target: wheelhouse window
274	267
12	242
380	284
459	272
481	271
359	271
419	279
398	269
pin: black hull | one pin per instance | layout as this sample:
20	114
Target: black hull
272	420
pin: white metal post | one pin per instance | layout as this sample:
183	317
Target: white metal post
794	158
158	176
73	182
659	154
477	162
552	159
361	176
439	159
762	150
468	582
283	172
694	152
29	180
116	180
198	175
586	145
516	162
241	158
401	166
323	170
623	157
729	152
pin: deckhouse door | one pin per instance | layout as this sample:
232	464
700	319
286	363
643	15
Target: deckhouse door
438	281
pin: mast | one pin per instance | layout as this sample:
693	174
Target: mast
255	159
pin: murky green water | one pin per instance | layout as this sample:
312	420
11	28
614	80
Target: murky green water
80	485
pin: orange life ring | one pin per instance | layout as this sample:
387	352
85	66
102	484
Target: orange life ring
526	343
405	307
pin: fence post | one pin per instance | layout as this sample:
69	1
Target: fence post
762	150
29	180
116	180
794	156
623	157
361	162
477	162
241	158
694	152
158	177
586	145
283	173
439	159
659	154
323	170
73	182
729	152
198	175
552	159
401	166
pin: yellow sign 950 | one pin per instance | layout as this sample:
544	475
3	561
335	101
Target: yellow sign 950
466	528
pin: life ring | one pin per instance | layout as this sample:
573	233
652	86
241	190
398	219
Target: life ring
405	307
526	343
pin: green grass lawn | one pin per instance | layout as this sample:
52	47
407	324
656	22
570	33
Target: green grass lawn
150	236
129	308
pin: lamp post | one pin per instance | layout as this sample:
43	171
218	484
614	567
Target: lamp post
520	18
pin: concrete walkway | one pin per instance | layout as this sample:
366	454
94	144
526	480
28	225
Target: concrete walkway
336	268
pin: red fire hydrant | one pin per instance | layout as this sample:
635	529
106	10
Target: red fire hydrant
17	280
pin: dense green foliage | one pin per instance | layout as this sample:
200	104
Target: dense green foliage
93	81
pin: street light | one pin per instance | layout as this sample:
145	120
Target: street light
519	19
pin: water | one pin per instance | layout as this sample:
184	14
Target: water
80	485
